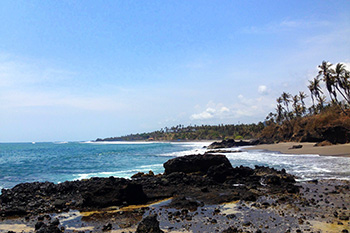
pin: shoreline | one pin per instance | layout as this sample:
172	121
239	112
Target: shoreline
185	198
339	150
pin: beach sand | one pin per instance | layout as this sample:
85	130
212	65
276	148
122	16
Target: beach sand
307	148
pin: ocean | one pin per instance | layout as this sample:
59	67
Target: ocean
60	161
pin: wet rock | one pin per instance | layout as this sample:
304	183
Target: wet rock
41	227
181	202
106	192
231	216
150	224
272	180
222	151
230	230
343	217
232	143
220	172
195	163
142	174
107	227
95	193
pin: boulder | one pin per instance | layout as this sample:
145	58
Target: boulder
41	227
101	192
232	143
195	163
149	224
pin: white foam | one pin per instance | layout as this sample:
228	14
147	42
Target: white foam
151	166
305	166
121	174
192	148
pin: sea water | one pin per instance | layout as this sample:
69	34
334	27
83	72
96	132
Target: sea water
58	162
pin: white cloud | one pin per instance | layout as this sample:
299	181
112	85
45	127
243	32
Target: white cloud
202	116
213	111
262	89
224	109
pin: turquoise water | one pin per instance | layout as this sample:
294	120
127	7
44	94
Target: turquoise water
58	162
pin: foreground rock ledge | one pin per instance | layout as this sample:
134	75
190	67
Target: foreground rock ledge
196	179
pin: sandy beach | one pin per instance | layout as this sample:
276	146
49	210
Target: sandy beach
307	148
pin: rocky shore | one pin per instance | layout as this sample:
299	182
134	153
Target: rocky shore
196	193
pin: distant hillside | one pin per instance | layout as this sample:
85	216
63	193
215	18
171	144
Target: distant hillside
203	132
323	121
331	125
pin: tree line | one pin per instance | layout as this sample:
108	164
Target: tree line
202	132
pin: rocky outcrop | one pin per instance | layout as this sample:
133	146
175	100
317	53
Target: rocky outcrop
150	224
232	143
191	180
39	197
99	192
195	163
336	134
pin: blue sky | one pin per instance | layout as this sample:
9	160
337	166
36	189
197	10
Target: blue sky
78	70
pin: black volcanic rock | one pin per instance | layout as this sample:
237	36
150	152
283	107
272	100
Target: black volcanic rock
193	179
100	192
195	163
150	224
220	172
40	197
232	143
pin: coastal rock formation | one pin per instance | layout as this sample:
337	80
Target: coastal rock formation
307	132
195	163
191	180
232	143
211	179
40	197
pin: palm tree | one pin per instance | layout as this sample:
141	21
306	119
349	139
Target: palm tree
286	99
312	90
296	106
341	81
326	71
302	96
321	101
279	110
315	90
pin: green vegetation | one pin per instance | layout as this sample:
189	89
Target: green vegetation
323	120
203	132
